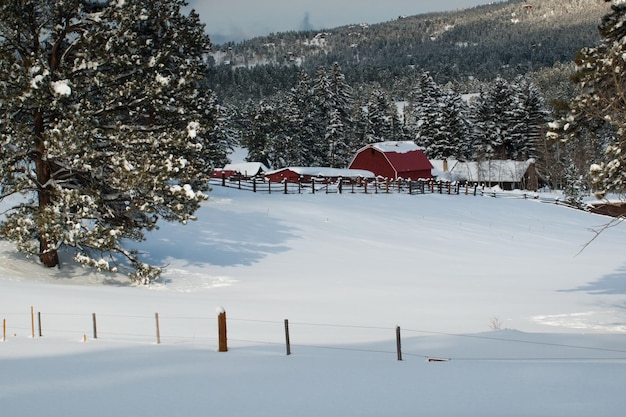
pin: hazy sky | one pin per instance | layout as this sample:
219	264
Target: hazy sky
239	19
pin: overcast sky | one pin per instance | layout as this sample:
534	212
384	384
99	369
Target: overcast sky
228	20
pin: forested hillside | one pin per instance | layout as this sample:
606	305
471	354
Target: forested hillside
501	39
490	82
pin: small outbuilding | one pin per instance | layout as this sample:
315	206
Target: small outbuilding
393	160
241	170
506	174
321	174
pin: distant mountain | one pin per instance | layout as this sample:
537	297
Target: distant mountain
506	39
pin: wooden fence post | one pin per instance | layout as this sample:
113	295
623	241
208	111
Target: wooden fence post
95	327
287	340
32	321
313	185
254	185
39	322
398	343
158	329
221	330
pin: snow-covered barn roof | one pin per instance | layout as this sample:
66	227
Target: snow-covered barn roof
395	146
327	172
246	168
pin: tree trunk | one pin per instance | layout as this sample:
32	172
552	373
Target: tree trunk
47	255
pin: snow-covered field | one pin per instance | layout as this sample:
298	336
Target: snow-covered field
345	270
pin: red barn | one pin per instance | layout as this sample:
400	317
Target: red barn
393	160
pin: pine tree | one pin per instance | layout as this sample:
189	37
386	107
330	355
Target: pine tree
601	74
438	116
104	127
574	190
493	121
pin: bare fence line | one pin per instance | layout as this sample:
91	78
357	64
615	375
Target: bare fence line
219	329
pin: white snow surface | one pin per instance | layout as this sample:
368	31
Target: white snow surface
496	287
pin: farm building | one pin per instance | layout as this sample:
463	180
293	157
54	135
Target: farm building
506	174
393	160
243	170
322	174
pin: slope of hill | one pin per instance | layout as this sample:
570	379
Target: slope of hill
506	38
345	270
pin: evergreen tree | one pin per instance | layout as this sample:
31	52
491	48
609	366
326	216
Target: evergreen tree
103	124
493	121
574	190
379	119
337	133
439	119
601	73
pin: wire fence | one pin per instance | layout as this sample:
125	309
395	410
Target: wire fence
142	329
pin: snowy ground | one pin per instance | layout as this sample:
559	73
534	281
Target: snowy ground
345	270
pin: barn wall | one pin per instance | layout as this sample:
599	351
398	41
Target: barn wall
286	174
374	161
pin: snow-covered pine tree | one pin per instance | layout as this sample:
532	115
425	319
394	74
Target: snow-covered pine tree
529	118
259	135
337	132
425	110
379	120
574	190
492	120
104	127
601	74
301	130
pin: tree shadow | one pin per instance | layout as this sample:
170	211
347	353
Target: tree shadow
614	283
220	238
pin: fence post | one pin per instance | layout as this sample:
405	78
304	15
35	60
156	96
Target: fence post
313	185
95	327
254	185
32	321
158	329
223	179
398	343
39	322
287	340
221	330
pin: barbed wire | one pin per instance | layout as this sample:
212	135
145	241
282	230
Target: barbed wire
182	338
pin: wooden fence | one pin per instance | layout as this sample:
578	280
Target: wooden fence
381	186
341	186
